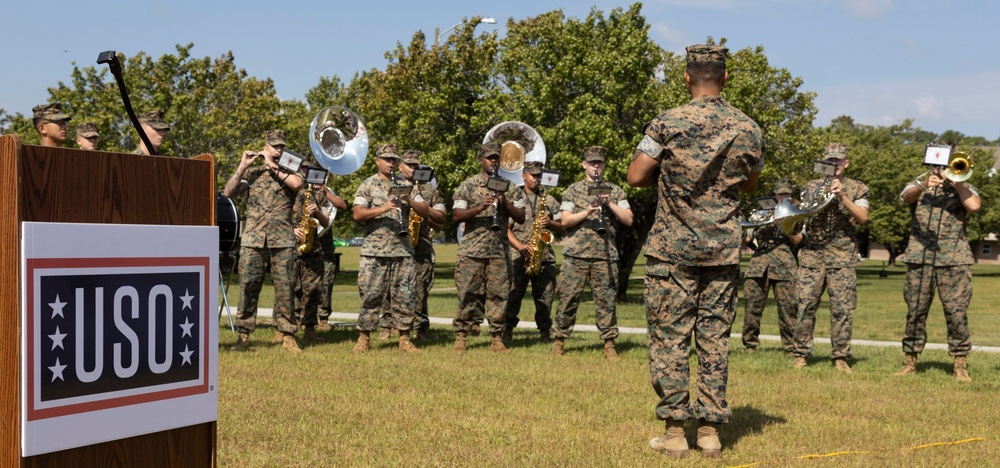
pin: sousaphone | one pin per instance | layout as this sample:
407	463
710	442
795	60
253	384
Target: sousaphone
339	140
519	143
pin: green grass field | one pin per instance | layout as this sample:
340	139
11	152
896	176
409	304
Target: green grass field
327	407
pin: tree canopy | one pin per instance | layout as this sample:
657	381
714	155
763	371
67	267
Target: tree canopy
578	81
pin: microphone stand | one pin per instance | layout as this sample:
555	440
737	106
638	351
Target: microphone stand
111	58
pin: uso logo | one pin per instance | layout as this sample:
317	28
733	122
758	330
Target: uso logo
105	333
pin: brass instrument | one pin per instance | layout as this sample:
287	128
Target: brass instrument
539	240
757	219
959	168
415	220
339	140
519	143
308	224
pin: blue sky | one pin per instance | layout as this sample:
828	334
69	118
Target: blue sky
879	61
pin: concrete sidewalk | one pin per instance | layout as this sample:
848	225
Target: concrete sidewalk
346	316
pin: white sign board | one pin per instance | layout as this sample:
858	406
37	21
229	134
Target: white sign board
119	333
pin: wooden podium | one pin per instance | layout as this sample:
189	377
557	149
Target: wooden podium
76	186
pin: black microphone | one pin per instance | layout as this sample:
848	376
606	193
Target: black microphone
110	57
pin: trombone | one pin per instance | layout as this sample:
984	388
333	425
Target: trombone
959	168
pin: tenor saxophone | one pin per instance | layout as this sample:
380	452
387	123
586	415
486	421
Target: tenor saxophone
308	224
415	221
539	240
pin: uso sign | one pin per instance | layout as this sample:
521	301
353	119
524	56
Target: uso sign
118	335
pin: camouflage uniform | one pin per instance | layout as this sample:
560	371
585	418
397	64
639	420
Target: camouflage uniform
772	265
591	258
153	119
706	149
424	255
482	270
329	274
309	267
938	255
543	284
827	258
385	270
267	236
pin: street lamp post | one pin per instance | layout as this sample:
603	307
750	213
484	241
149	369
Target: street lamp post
437	37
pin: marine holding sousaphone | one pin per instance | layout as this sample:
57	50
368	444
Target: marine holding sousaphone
482	269
938	255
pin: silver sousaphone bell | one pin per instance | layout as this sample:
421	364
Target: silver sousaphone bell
339	140
519	143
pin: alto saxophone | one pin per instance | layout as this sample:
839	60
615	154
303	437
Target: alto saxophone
308	224
415	221
539	240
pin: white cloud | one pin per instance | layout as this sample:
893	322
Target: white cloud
668	35
966	103
868	9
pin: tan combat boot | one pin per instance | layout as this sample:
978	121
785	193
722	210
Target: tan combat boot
459	343
383	333
405	345
708	439
962	370
558	347
497	345
909	365
311	336
672	443
364	340
842	366
278	337
242	343
289	344
324	325
799	362
609	351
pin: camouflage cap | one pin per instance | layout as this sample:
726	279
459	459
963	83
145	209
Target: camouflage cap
154	119
275	137
387	150
594	153
411	156
707	53
52	112
784	187
835	151
534	167
87	130
489	149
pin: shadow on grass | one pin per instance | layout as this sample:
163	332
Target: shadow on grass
745	421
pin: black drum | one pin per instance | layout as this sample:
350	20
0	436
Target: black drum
229	224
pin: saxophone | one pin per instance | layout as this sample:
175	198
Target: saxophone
415	221
308	224
539	240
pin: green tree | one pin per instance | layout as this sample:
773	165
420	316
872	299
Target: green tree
211	105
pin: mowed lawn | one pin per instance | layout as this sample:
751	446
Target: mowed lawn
327	407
